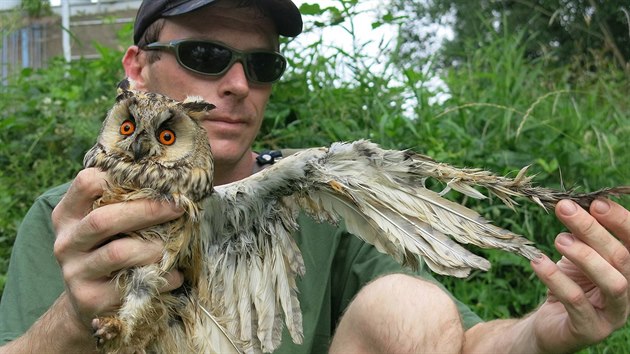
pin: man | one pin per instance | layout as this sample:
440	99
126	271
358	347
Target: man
588	289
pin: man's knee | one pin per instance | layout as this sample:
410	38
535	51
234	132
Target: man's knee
401	313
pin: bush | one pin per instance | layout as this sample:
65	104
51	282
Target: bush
50	118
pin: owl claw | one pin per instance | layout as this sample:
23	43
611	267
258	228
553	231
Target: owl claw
106	329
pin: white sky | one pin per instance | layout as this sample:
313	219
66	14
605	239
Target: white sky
334	36
385	34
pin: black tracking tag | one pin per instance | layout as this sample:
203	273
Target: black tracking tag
268	157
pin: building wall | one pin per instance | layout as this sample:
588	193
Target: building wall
33	42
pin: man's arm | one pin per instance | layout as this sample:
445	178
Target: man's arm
589	296
57	331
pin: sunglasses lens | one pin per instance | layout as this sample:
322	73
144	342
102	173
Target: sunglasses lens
213	59
204	57
265	67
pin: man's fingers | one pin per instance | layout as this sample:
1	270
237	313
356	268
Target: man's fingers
101	224
605	231
174	279
614	217
119	254
91	247
565	290
610	281
121	218
588	229
99	267
77	202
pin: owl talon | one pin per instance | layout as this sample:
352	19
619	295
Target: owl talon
106	329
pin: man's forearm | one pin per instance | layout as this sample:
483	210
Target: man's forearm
501	336
55	332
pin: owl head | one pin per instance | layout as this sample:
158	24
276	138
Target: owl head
151	141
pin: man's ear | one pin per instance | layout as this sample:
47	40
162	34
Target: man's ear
134	62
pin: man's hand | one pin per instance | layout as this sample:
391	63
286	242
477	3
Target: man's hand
89	247
589	296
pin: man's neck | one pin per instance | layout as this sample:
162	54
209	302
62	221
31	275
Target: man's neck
227	174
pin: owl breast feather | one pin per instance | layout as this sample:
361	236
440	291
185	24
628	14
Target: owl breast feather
169	183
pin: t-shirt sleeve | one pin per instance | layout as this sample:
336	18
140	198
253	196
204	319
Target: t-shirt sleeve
34	279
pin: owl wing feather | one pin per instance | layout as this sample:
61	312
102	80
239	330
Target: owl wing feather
381	197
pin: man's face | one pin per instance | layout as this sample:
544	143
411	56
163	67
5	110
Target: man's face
233	125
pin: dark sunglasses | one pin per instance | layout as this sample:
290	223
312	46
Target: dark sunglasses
214	59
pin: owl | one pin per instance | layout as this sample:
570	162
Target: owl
153	148
234	243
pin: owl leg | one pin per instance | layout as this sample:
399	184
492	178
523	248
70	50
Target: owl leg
141	317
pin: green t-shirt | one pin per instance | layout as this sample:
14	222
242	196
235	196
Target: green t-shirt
337	266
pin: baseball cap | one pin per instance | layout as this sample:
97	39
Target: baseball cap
283	13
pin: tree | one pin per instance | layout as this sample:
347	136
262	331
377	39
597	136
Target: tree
560	31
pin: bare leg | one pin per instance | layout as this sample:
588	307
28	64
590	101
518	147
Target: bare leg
400	314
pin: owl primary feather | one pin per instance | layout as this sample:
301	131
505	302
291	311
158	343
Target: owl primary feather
234	243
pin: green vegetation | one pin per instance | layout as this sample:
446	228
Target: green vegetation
572	125
36	8
559	30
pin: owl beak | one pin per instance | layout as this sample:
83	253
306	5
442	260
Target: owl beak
140	147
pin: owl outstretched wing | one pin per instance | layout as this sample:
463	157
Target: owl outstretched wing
252	260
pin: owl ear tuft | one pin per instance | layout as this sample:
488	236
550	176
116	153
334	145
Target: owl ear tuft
124	85
124	89
196	104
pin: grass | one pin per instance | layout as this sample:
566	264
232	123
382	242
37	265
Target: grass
569	124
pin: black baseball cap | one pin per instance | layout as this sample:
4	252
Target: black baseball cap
283	13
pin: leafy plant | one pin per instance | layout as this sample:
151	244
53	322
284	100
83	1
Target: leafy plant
36	8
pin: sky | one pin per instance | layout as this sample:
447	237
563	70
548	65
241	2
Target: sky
362	26
383	37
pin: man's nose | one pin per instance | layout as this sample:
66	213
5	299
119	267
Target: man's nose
234	81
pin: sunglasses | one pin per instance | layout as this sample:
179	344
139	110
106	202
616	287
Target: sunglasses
215	59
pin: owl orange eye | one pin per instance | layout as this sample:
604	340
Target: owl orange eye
127	128
166	137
